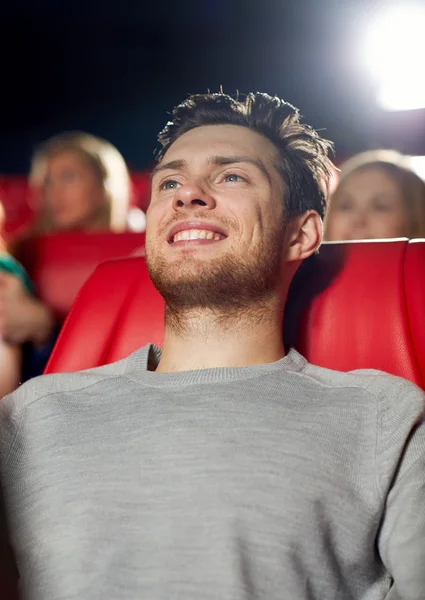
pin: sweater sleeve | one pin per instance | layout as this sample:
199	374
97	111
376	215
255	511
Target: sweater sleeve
9	423
8	427
401	473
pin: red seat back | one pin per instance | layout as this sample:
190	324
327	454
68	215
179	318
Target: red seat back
354	305
60	264
414	281
15	195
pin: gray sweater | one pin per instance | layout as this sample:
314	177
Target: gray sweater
280	481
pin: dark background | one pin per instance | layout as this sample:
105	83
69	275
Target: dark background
115	69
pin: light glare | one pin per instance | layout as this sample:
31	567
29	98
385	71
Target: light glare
417	164
395	51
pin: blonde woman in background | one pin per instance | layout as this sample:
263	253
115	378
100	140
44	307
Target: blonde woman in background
81	183
378	196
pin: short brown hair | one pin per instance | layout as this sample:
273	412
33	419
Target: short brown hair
303	160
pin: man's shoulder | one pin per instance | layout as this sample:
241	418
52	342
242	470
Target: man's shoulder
387	389
62	383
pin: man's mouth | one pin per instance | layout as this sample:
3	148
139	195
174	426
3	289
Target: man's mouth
196	234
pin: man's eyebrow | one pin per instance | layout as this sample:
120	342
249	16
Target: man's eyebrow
215	160
231	160
173	164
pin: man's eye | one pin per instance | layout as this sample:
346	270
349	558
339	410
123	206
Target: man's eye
170	184
232	177
382	208
344	207
69	176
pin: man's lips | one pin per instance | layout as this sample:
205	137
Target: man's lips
205	231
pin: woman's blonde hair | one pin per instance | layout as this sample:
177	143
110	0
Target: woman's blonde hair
105	159
398	167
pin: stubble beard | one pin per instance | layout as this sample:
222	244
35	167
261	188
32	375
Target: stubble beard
233	287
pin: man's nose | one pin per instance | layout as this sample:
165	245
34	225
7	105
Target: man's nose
193	196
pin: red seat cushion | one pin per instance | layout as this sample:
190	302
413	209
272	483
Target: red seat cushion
348	308
116	312
360	319
60	264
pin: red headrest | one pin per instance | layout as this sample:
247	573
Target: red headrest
60	264
354	305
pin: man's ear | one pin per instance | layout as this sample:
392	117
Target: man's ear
304	235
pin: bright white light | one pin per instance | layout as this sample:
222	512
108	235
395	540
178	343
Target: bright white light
417	163
395	95
395	54
136	220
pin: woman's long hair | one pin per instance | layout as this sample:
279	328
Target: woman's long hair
106	161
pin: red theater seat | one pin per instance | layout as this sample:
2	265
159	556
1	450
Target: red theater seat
354	305
414	279
16	197
60	264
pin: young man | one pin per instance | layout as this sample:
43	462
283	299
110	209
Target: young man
221	467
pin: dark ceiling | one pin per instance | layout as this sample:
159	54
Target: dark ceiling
116	68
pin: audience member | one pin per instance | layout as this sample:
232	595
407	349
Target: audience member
82	184
378	196
219	467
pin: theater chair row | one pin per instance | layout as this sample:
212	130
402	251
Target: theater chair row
353	305
363	302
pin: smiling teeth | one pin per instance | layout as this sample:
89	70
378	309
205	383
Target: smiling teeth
196	234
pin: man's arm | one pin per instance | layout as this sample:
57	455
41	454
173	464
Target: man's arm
401	541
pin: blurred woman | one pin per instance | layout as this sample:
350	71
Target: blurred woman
81	183
378	196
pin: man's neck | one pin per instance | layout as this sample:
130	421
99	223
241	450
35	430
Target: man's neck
205	340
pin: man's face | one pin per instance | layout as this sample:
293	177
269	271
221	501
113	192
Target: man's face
215	222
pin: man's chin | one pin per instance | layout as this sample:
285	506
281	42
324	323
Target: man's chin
189	265
225	282
193	256
185	273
